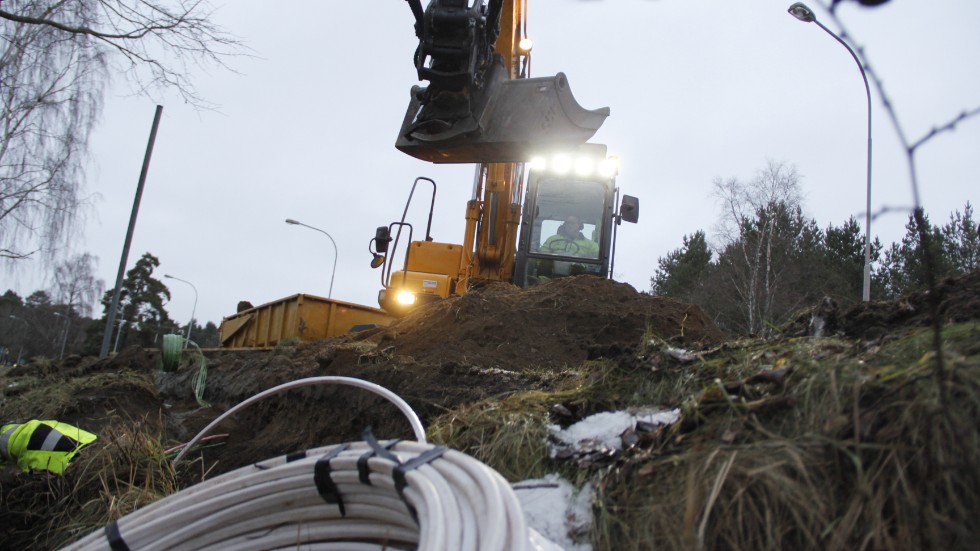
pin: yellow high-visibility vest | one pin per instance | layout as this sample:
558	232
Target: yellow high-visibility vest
48	445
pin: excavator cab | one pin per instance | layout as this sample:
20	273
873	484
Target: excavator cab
567	227
570	217
474	110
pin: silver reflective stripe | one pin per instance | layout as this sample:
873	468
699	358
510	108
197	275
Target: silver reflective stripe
51	441
4	440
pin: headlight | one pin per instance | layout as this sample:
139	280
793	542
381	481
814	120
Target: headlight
406	298
609	166
561	164
584	166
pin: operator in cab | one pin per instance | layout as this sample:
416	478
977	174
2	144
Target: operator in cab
570	241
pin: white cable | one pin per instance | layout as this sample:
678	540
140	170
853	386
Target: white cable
461	504
402	405
319	500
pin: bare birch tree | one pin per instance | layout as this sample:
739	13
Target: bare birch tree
760	218
75	285
56	57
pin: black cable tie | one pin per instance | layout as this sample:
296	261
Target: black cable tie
114	538
296	456
324	483
363	471
403	469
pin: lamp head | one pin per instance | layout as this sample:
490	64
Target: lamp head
800	11
378	260
291	221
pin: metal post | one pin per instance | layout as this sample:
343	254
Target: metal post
800	11
119	331
335	253
20	353
111	318
64	340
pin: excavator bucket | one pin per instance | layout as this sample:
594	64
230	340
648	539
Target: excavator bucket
507	120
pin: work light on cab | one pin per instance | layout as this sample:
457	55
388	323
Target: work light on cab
405	297
609	167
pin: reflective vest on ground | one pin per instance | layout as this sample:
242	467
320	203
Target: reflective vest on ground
47	445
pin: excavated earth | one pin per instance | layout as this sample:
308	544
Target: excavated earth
496	340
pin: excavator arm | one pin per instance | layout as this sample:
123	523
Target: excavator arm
474	108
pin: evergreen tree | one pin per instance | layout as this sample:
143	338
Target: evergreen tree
955	248
142	317
961	238
842	272
207	336
683	271
902	269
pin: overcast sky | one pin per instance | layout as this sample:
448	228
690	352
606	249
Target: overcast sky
697	90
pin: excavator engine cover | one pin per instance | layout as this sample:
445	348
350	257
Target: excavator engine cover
508	120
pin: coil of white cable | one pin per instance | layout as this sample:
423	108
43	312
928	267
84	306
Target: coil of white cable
337	497
365	495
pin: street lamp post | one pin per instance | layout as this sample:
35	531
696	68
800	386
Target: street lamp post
20	353
122	323
64	340
335	253
800	11
193	309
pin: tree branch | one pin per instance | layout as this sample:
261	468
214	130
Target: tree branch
948	127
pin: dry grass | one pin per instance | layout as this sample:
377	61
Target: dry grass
865	456
122	471
789	444
508	435
851	447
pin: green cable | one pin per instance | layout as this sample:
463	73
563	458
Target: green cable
201	378
173	348
170	354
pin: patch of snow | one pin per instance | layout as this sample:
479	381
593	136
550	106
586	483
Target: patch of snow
681	354
603	430
557	511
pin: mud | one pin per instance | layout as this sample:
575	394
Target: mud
496	340
493	341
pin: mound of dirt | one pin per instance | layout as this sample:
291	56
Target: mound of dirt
560	323
493	341
957	300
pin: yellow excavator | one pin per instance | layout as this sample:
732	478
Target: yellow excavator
545	203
